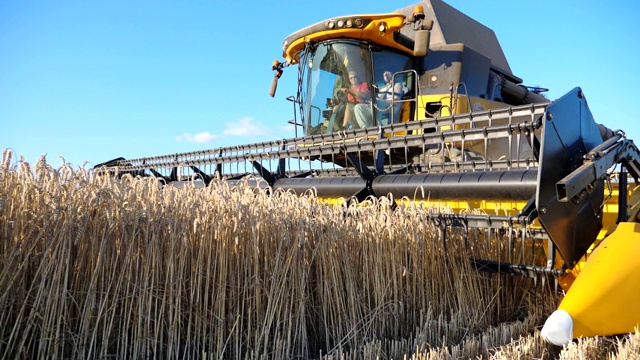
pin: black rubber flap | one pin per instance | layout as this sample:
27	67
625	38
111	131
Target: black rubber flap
569	132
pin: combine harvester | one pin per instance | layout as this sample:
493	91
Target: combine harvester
421	105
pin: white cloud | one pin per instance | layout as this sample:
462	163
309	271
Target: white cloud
247	127
203	137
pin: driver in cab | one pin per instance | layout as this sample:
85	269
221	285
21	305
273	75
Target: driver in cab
357	96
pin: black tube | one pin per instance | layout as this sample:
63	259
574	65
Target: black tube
487	185
515	94
339	186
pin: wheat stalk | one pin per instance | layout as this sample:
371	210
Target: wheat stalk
95	267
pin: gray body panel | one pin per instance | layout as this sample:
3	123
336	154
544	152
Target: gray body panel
450	26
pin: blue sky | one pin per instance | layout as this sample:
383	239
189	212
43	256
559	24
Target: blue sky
93	80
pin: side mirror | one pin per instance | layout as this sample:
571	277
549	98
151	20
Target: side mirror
277	67
423	35
421	43
274	84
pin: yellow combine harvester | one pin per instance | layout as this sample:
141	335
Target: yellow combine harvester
421	105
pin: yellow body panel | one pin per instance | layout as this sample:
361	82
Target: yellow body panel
450	106
491	207
459	104
371	32
605	298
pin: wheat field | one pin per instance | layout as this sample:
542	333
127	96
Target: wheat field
95	268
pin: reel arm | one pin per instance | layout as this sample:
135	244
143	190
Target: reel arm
615	150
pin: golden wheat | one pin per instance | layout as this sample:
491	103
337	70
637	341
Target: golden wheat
94	267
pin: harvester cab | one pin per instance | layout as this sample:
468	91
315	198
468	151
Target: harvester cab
421	105
465	69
